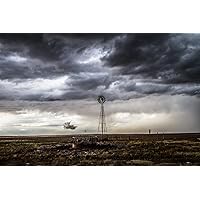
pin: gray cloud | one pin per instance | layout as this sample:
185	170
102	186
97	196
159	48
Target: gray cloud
173	58
120	66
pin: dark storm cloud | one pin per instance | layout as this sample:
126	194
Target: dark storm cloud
173	58
50	47
46	55
120	66
33	44
131	48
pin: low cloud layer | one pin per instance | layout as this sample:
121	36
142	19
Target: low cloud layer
159	113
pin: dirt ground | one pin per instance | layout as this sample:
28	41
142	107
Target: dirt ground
125	150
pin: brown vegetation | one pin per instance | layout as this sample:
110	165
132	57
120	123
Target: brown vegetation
171	149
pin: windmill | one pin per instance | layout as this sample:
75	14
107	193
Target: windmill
102	118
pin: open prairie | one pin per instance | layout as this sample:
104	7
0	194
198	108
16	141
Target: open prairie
114	149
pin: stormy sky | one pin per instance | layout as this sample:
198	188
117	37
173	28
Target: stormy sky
150	81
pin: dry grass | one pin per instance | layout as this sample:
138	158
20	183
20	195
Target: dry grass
91	151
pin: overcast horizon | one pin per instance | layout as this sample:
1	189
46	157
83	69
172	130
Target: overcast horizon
150	81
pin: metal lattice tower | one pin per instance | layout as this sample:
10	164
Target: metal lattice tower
102	118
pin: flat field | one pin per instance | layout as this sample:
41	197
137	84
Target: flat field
119	149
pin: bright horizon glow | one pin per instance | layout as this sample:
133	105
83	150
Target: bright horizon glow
121	117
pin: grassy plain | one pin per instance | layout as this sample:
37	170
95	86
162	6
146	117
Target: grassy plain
118	149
